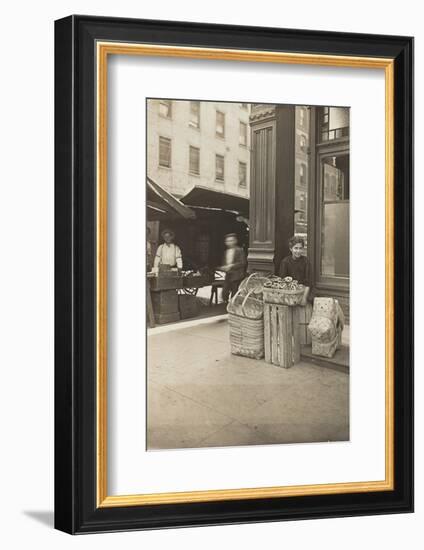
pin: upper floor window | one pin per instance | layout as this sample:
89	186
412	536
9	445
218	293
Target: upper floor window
333	123
220	124
242	174
165	108
194	114
302	174
243	133
219	167
244	105
302	143
194	161
302	117
164	152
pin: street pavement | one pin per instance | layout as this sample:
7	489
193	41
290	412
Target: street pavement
199	395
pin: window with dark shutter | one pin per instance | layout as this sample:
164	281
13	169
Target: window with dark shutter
164	152
194	164
219	168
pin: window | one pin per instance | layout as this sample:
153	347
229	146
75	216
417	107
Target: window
334	200
302	174
194	163
334	123
244	106
165	109
219	167
164	152
242	174
220	124
243	133
302	117
302	143
194	114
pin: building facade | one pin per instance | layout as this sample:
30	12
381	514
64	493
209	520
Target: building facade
198	143
300	184
302	155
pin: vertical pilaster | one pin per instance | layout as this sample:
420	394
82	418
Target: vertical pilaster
272	185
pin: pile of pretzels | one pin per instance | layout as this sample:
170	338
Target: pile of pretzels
288	283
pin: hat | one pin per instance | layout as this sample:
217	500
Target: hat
230	235
165	231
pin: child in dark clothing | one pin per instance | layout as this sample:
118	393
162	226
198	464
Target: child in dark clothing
297	265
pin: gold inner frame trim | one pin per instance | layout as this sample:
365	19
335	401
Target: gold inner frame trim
103	50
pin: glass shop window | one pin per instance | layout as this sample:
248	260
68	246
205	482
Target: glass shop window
335	194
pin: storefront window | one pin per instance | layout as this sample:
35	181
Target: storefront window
335	216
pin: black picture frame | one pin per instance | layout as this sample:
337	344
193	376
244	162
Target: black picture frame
76	510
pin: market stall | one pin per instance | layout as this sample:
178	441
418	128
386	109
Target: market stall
199	234
164	281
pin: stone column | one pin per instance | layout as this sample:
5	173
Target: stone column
272	187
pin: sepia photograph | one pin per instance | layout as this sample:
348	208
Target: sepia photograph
247	274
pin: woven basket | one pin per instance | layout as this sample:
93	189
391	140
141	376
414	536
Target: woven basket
245	319
254	282
247	301
283	297
246	336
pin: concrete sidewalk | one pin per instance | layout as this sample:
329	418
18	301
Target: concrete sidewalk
199	395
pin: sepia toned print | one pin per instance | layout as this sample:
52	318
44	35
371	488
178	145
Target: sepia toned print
247	263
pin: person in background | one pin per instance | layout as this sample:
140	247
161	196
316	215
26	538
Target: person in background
234	266
297	265
168	253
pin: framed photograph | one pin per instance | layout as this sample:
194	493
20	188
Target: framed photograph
234	274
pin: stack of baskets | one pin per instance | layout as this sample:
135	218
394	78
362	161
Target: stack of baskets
245	316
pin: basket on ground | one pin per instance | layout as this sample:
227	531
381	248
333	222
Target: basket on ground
246	336
245	319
